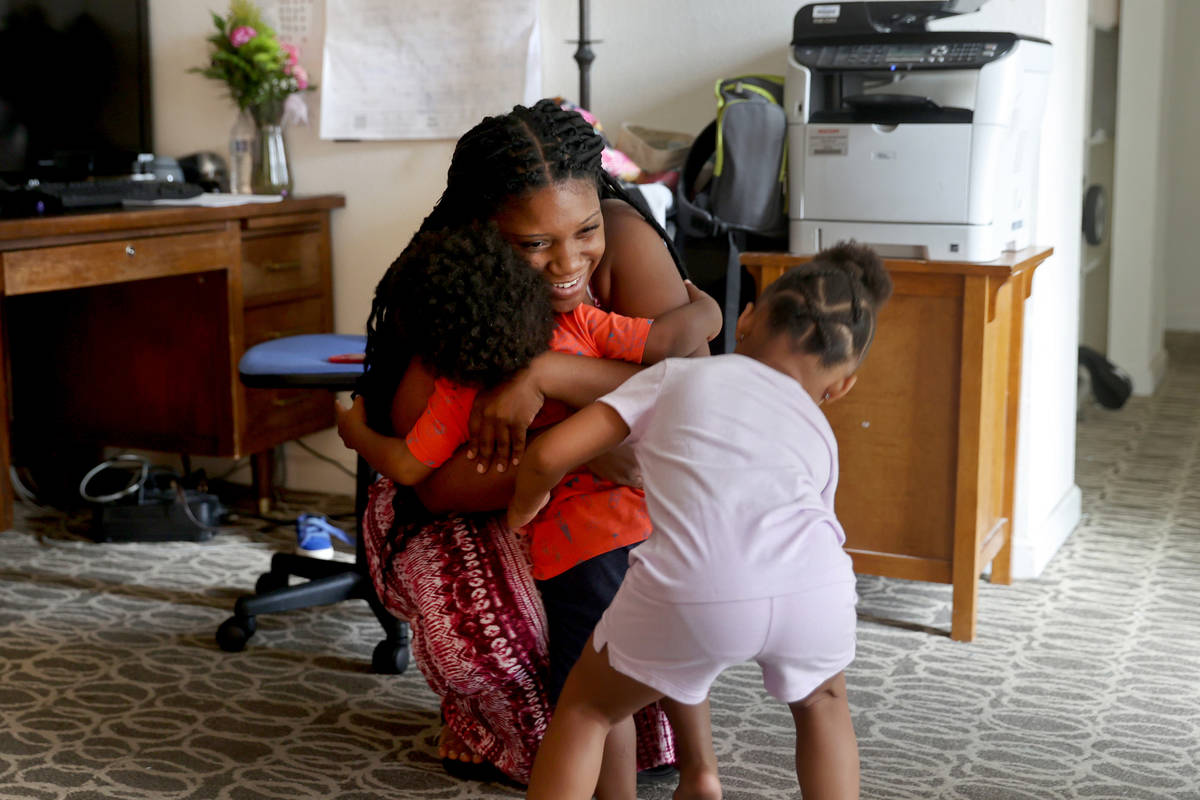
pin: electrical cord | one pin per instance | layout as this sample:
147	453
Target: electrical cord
134	484
146	474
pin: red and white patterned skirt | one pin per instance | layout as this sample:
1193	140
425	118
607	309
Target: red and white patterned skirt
478	629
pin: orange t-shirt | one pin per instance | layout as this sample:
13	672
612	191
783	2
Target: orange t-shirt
586	516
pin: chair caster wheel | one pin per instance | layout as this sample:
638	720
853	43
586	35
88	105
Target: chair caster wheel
235	632
269	582
389	658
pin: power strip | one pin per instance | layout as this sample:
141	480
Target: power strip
159	519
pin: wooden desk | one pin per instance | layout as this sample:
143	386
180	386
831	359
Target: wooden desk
125	328
928	437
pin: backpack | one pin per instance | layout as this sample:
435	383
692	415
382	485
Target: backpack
744	203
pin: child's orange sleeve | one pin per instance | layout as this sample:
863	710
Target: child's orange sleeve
442	426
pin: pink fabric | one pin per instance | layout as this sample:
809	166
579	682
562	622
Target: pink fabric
478	630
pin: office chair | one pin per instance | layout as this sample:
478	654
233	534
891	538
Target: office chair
303	362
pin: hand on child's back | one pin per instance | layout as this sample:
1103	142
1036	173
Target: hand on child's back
500	417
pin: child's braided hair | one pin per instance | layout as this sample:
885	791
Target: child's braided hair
502	158
829	305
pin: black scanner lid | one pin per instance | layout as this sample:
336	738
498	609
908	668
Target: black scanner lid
824	19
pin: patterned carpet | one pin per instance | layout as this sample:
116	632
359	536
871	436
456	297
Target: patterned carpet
1084	683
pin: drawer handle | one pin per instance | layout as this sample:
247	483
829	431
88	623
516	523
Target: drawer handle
282	266
281	334
284	402
129	251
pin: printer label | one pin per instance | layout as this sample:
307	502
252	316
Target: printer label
826	13
828	142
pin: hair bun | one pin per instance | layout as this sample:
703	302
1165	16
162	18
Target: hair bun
864	265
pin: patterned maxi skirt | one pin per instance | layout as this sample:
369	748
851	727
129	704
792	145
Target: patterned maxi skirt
478	629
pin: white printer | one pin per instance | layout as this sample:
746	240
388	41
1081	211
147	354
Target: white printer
920	143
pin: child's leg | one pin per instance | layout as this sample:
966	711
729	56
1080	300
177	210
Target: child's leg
618	767
826	749
694	750
595	698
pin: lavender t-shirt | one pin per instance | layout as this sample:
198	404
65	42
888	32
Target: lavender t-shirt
740	471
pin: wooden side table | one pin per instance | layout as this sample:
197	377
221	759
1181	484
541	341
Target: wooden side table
928	437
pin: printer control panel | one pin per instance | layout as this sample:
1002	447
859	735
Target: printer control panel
902	55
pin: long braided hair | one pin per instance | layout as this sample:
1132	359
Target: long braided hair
502	158
829	305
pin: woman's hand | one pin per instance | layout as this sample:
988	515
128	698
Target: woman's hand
499	420
618	465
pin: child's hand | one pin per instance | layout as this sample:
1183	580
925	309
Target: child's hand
521	513
351	422
695	294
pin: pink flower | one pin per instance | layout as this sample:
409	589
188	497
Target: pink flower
301	76
241	35
293	54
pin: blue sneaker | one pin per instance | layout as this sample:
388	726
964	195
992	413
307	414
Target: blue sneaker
313	532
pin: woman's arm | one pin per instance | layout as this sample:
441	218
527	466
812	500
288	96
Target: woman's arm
637	276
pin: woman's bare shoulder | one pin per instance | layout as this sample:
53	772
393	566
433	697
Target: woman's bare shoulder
637	276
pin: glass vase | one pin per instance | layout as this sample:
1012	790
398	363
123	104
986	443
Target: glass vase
272	172
241	153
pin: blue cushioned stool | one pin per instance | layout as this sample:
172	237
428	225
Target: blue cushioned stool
302	362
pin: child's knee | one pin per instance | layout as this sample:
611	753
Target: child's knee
831	691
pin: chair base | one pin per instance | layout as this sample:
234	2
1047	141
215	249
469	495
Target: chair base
328	582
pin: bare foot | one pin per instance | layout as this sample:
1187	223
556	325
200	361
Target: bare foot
698	785
452	747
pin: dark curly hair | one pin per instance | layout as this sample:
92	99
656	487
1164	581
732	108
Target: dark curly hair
472	309
502	158
830	304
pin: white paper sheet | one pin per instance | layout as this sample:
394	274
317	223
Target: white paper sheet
425	69
209	200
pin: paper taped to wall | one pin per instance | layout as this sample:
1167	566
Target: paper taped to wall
425	69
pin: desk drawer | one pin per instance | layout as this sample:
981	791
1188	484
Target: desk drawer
281	265
284	319
280	415
77	266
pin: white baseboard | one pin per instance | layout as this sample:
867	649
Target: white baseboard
1032	553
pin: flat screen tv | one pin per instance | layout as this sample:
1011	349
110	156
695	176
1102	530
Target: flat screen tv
74	88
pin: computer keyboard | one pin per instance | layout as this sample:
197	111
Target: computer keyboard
112	192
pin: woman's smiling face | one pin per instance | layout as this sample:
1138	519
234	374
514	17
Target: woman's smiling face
559	230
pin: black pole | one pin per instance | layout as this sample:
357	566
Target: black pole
584	57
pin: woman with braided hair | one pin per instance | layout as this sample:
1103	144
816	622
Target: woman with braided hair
448	563
746	561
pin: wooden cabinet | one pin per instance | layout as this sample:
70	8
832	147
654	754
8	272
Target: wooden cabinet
927	439
125	328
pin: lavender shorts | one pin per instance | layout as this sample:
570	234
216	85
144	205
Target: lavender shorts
800	640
